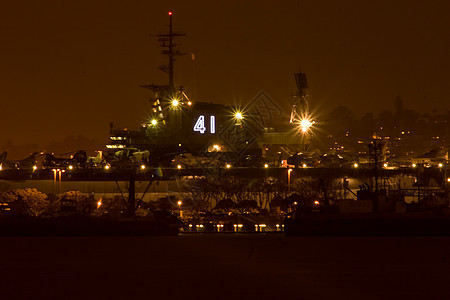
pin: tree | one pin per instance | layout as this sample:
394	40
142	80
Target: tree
85	204
36	201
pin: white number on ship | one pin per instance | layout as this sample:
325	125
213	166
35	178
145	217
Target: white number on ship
213	124
200	124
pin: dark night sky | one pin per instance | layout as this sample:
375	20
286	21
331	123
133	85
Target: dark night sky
71	67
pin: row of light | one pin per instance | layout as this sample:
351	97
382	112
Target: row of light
34	167
355	165
228	166
316	202
238	226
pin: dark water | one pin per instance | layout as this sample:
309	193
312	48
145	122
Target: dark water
225	267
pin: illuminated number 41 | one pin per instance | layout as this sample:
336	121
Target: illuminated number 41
200	124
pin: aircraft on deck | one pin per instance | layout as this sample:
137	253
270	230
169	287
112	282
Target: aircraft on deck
28	163
77	160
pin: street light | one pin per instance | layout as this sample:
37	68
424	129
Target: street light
179	203
305	125
289	180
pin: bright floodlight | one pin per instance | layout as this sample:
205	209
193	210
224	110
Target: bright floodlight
175	102
355	165
154	122
305	124
238	116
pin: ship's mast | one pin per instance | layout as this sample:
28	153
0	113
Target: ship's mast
171	59
163	94
300	109
167	41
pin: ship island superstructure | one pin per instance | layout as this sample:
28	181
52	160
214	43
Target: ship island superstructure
179	125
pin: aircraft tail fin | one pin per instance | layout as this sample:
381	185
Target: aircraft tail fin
3	157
